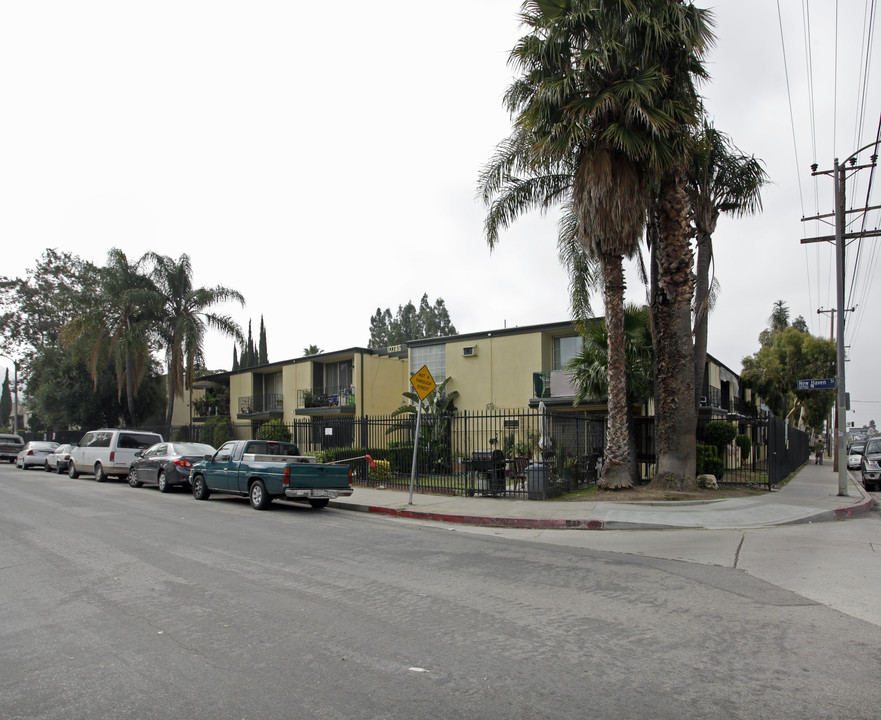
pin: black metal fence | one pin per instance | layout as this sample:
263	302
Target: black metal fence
518	453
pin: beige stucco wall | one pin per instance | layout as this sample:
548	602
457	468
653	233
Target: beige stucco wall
383	382
499	374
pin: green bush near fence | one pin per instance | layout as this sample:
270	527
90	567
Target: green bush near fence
217	430
274	430
709	462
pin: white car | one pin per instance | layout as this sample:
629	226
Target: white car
854	455
34	454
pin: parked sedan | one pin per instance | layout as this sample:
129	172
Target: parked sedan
166	464
34	453
854	455
57	460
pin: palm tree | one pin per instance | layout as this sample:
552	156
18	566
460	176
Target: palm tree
118	326
600	109
183	317
721	179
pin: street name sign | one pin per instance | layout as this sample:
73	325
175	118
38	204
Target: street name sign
824	384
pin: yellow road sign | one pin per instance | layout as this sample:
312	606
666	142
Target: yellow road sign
423	383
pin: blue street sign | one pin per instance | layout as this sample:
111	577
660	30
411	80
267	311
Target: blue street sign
824	384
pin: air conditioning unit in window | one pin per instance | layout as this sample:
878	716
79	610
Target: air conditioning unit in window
469	351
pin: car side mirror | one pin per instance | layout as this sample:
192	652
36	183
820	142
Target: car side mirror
208	457
138	453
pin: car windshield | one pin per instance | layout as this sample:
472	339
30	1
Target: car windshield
873	447
856	449
44	445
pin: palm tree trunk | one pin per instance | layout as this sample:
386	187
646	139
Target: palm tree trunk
701	304
130	389
172	390
618	464
676	414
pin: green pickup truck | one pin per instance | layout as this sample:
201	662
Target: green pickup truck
264	470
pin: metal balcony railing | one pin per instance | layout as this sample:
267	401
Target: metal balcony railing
268	402
326	397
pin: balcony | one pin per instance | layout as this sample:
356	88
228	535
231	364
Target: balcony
205	408
550	384
260	407
326	401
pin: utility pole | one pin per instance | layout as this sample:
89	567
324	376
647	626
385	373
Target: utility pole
839	176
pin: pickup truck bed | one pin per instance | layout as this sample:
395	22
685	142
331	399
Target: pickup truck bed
265	471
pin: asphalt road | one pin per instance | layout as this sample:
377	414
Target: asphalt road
124	603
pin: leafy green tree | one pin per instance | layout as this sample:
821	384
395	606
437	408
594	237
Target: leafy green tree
183	316
118	326
312	350
791	355
410	323
721	179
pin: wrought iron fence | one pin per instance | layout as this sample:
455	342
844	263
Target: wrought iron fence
509	452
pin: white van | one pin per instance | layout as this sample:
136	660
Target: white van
108	452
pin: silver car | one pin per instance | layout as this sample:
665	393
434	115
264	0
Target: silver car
57	460
34	454
854	455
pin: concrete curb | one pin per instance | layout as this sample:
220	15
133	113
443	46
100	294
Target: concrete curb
864	505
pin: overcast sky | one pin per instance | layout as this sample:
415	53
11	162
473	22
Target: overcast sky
322	159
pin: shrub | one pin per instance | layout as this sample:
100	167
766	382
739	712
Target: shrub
745	444
274	430
217	431
719	434
382	472
708	461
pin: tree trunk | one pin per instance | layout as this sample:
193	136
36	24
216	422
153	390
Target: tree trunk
172	392
707	226
619	467
130	388
675	414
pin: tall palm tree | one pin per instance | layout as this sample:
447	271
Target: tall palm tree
118	326
721	179
600	110
183	317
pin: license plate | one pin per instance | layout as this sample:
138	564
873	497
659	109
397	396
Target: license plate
323	493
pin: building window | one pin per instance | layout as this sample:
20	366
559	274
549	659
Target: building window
434	357
565	349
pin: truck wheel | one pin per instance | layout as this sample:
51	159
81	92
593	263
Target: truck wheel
100	475
71	471
319	503
133	478
164	487
200	489
260	499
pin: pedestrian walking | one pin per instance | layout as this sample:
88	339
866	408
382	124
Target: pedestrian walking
819	447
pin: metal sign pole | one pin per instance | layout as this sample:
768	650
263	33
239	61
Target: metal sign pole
415	452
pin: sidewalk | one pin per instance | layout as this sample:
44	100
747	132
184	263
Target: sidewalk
811	496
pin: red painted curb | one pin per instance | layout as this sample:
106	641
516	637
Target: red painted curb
531	523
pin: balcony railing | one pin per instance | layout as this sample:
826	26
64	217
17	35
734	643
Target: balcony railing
326	397
266	403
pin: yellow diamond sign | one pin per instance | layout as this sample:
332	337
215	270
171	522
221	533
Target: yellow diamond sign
423	383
